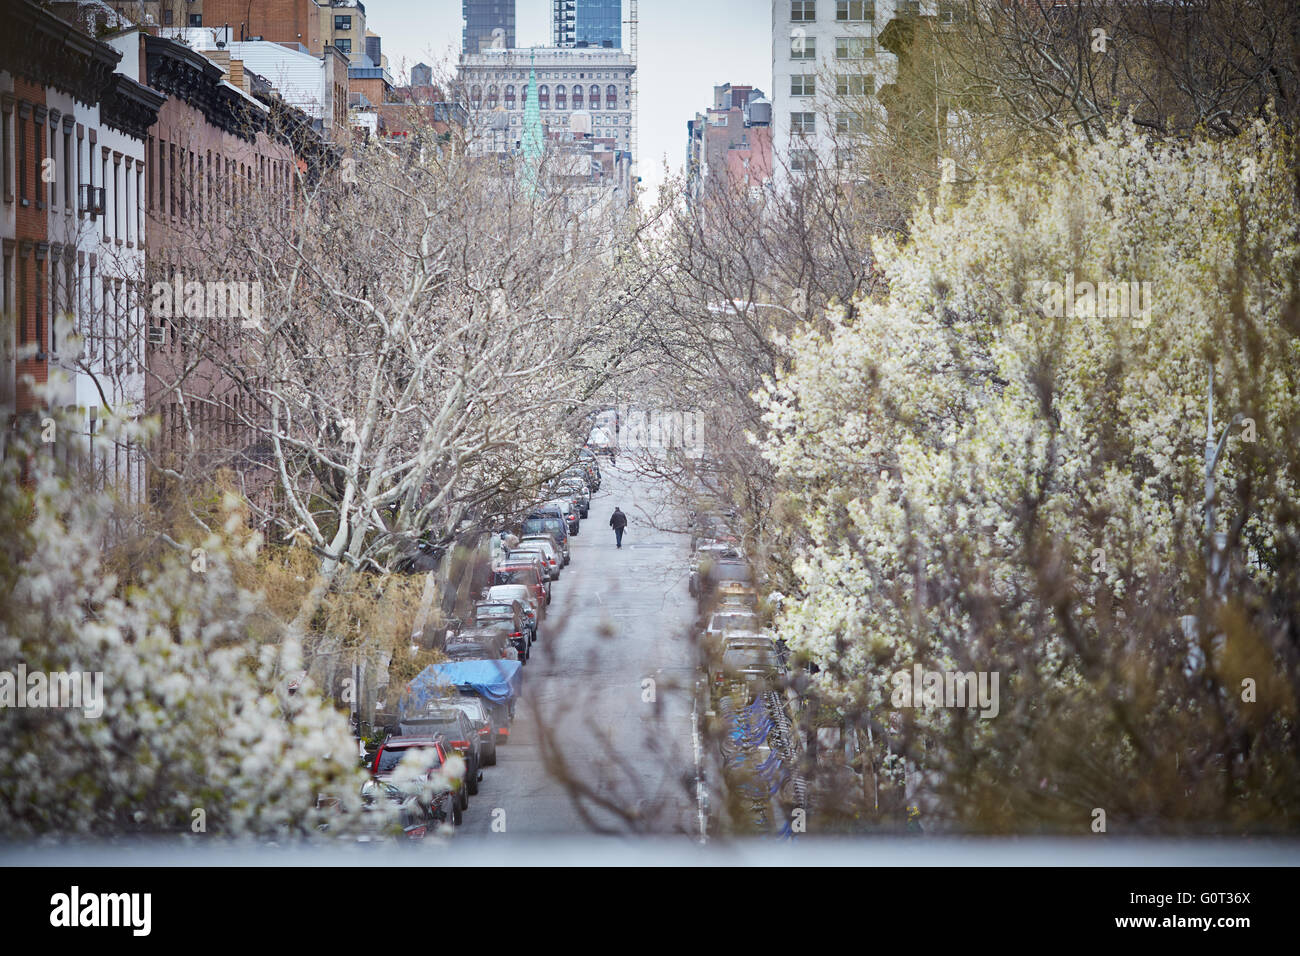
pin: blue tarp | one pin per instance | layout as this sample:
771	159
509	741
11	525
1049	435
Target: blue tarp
497	681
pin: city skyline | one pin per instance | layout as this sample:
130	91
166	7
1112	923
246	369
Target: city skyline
673	84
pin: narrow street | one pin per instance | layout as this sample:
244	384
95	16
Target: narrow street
617	619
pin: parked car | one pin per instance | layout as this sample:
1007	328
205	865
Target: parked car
514	617
602	442
457	734
555	526
562	509
493	640
576	489
546	545
525	571
751	661
418	813
395	748
525	596
571	511
477	712
730	618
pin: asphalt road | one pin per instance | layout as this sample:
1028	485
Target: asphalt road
618	620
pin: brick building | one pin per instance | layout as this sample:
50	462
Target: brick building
73	125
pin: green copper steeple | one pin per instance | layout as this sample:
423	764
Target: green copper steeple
533	142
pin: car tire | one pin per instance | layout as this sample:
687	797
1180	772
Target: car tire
457	815
490	759
463	796
472	781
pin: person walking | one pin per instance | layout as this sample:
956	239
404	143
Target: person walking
618	521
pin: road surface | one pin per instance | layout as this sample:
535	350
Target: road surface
619	619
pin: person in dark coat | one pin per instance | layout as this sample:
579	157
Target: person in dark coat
618	521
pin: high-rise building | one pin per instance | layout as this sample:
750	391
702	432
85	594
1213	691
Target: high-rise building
488	25
826	70
730	144
587	23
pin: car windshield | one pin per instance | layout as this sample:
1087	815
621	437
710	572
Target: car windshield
473	709
723	621
739	658
547	525
518	576
391	757
494	612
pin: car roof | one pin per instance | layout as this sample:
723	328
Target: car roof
404	742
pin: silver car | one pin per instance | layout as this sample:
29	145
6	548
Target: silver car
544	545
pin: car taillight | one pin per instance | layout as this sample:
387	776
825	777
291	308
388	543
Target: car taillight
517	634
460	744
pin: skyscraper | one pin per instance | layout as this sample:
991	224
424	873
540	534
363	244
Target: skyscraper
587	23
488	24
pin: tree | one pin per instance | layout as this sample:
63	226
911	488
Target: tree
997	482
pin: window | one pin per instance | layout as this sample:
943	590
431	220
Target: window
23	112
611	97
577	97
561	98
908	8
167	18
344	44
855	84
803	11
67	168
39	172
803	84
802	160
544	96
803	47
492	97
476	96
343	24
510	97
6	139
855	11
196	19
595	97
849	122
803	123
854	48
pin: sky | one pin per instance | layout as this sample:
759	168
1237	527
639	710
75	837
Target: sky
686	48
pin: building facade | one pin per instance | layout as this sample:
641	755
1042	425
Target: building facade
731	142
587	23
212	149
593	82
73	128
827	69
487	25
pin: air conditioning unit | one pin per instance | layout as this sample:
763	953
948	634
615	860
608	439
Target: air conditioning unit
157	335
91	199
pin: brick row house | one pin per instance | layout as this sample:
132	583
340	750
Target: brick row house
123	154
75	120
213	149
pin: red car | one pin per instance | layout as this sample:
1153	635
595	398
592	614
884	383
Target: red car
527	571
392	751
